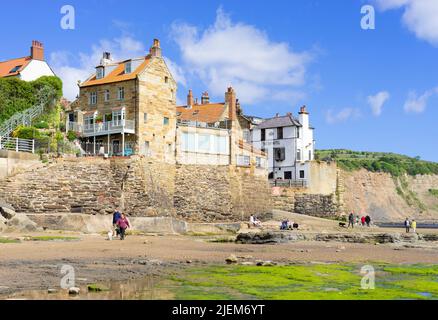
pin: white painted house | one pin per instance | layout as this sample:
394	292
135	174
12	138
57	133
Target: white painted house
27	68
289	143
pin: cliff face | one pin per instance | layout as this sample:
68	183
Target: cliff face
389	199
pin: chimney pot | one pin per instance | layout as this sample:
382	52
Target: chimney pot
37	50
155	50
190	99
205	99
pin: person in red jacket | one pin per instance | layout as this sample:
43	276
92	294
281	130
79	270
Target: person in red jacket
363	221
123	224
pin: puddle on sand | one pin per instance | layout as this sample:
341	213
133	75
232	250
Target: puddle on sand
150	288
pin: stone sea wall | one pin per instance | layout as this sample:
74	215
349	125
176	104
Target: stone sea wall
141	187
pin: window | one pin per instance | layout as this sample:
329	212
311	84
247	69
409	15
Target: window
279	133
298	132
100	73
165	121
118	117
302	174
146	148
88	122
15	69
145	117
299	154
263	135
106	95
204	142
271	175
128	67
280	154
166	79
169	148
121	93
246	135
258	162
288	175
93	97
243	160
172	95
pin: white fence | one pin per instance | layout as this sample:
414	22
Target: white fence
16	144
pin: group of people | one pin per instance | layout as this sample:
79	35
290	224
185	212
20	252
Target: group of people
254	222
288	225
120	224
410	224
356	220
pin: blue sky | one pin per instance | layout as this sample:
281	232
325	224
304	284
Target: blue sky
278	55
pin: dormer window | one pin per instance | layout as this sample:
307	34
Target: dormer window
15	69
128	67
100	72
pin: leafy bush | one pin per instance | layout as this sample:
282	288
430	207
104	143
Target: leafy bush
17	95
71	136
27	133
41	125
391	163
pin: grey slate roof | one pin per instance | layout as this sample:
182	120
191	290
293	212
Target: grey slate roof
280	121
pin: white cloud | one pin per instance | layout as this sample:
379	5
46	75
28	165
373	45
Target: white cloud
377	101
238	54
71	68
342	116
418	104
420	16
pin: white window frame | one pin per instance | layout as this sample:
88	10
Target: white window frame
128	67
93	98
121	93
106	95
118	117
100	73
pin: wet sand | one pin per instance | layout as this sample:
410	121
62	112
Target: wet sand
33	265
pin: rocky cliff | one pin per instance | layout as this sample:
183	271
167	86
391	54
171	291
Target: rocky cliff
390	199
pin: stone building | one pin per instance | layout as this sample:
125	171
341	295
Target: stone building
127	107
290	145
215	133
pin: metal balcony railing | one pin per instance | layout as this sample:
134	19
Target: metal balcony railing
103	128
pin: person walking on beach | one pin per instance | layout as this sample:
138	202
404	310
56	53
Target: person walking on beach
123	224
116	216
351	220
368	220
407	225
414	226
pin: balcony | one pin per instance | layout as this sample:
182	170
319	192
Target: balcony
103	128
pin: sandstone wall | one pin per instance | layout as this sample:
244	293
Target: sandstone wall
12	162
224	193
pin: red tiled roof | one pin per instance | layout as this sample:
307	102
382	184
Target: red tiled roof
208	113
118	74
7	66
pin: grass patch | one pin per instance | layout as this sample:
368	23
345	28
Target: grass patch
307	282
7	240
96	288
52	238
433	192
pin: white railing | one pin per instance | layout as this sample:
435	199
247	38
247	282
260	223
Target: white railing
16	144
23	118
116	126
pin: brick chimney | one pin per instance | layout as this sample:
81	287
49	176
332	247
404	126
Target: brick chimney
37	50
230	100
190	99
155	50
205	99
